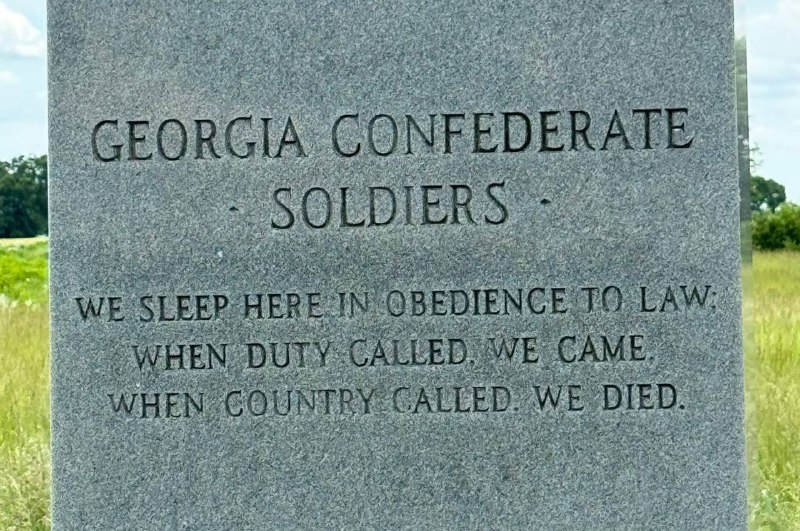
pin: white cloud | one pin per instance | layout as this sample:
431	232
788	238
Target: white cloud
18	37
774	82
774	59
8	78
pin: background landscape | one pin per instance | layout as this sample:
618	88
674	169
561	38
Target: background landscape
771	280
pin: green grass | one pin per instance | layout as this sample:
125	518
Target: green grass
24	387
772	313
23	271
24	418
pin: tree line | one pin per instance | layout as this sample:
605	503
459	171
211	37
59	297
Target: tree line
23	197
23	205
775	222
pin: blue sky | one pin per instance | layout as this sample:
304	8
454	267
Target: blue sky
772	28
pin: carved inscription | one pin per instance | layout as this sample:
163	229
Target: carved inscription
357	134
266	355
535	370
428	202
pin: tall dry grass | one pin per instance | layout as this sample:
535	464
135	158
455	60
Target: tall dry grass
24	386
24	418
772	323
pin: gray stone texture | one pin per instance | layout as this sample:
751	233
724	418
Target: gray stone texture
627	218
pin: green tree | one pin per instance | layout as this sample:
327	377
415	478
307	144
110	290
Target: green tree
23	197
765	194
777	230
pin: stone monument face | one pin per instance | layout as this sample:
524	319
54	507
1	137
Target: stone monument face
450	264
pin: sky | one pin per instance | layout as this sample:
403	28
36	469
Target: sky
773	37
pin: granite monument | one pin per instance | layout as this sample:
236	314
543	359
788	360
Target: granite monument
381	265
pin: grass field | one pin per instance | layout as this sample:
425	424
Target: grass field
24	384
772	313
22	242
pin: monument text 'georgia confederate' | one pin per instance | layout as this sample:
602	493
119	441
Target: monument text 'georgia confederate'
398	264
